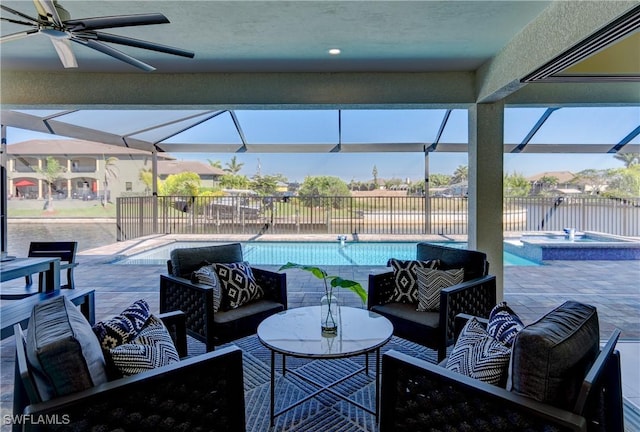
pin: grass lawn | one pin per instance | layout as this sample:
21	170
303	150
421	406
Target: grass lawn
60	209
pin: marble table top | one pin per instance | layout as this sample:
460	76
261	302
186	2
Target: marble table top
297	332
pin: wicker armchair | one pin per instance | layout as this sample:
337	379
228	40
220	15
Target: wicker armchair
178	292
205	392
421	396
476	295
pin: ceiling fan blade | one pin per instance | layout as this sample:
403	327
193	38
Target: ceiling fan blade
115	21
137	43
63	48
49	10
18	13
14	21
19	35
99	46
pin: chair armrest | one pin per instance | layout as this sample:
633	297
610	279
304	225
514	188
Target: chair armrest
416	395
176	323
195	300
380	288
273	284
201	393
474	297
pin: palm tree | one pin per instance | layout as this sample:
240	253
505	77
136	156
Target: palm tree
461	174
234	166
110	171
215	164
51	172
629	159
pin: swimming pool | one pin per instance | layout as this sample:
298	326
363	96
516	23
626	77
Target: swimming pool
310	253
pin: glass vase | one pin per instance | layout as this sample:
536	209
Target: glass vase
329	315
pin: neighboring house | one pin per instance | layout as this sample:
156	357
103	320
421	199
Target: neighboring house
566	180
84	169
210	176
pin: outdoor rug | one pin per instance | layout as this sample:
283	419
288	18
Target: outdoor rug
323	413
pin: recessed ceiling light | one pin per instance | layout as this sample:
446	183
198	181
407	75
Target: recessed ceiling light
334	51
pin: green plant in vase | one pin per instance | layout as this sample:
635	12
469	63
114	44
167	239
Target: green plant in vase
329	308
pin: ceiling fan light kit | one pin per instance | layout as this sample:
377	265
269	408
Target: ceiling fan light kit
54	22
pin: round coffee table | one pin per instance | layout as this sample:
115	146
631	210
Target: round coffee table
296	332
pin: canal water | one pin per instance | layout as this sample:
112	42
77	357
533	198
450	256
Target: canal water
88	234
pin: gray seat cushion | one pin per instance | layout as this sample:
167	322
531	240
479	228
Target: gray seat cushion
551	356
247	310
64	353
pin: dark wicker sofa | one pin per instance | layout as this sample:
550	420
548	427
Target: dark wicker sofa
559	383
476	295
178	292
201	393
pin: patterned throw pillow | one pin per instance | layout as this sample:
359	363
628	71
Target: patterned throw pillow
477	355
406	283
239	286
151	349
504	324
206	275
124	327
431	282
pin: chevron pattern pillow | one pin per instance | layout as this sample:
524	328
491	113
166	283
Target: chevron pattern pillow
151	349
238	284
206	275
504	324
477	355
431	282
124	327
406	280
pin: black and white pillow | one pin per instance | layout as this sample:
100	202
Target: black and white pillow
206	275
504	324
151	349
478	355
124	327
239	286
431	282
406	280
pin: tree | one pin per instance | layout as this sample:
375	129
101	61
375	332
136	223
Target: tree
234	181
375	176
438	180
629	159
460	175
51	172
234	166
516	185
267	184
184	183
624	182
146	177
215	164
593	180
548	182
320	191
110	171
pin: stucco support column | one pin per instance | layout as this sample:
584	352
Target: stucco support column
486	148
3	192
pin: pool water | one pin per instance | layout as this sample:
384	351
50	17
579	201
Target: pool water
311	253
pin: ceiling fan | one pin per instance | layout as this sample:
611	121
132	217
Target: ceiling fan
55	22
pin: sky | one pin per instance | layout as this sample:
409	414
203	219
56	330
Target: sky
566	125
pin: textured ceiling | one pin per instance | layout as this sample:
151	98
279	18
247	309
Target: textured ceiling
250	36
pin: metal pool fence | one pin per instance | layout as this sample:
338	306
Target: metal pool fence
140	216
